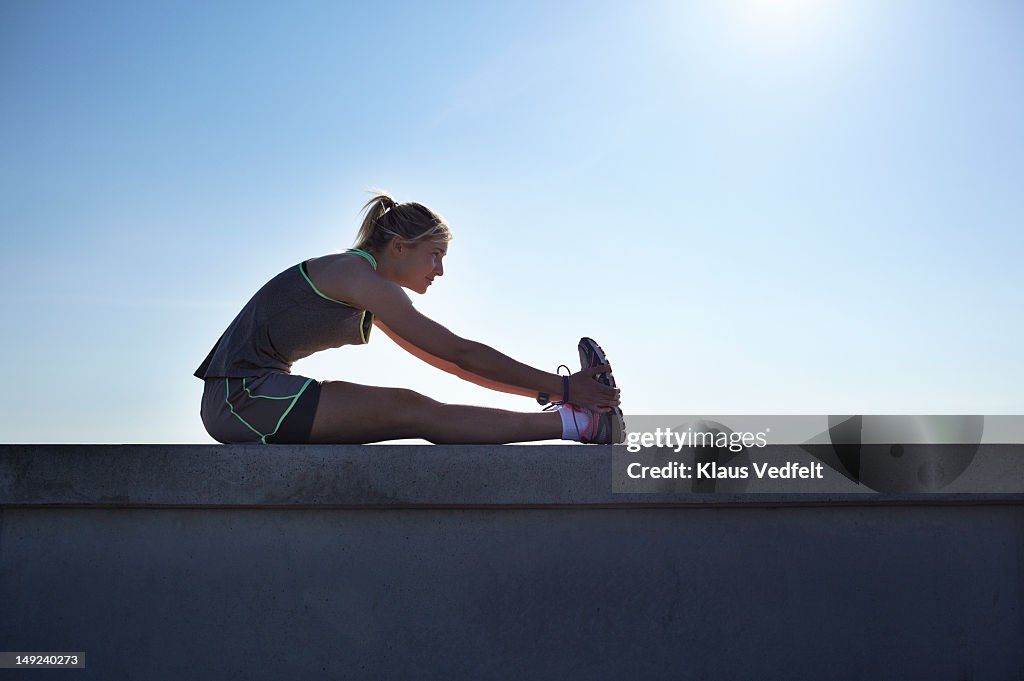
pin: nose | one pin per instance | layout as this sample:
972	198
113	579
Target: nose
438	268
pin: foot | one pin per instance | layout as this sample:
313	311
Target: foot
595	429
591	355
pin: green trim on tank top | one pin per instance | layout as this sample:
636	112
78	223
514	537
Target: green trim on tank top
369	258
364	328
302	269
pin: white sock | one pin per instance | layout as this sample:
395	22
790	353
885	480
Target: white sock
574	422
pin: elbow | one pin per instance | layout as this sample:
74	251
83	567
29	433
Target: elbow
466	356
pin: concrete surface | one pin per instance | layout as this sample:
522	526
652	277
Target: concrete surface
165	562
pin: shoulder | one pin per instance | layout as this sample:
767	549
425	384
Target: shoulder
349	277
329	271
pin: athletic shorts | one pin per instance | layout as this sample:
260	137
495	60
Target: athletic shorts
272	408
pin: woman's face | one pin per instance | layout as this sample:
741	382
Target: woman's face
420	263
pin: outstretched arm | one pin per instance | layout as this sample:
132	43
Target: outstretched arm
451	368
364	288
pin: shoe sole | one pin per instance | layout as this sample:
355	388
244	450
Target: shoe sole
618	427
591	355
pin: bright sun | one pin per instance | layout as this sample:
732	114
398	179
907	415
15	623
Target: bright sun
786	24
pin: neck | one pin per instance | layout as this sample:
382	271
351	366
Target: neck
385	266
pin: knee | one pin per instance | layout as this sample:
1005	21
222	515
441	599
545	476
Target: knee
414	405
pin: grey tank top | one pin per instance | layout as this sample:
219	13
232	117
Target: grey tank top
286	320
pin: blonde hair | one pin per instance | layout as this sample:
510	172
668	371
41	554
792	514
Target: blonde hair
385	218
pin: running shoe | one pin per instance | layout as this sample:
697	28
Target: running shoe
591	355
603	429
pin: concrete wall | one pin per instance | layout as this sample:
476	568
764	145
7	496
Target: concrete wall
214	562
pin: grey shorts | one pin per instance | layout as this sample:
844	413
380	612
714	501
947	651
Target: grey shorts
271	408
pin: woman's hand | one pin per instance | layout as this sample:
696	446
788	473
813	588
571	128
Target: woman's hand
586	392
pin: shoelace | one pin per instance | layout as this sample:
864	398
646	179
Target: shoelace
555	405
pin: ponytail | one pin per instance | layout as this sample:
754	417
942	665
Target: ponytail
384	218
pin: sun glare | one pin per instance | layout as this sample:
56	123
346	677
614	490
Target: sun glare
784	9
784	24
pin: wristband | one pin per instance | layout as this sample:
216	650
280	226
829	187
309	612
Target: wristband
545	398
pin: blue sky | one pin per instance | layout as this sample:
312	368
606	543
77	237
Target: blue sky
754	206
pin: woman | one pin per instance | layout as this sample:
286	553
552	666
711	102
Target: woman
252	396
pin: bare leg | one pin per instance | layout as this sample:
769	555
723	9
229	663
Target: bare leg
353	413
